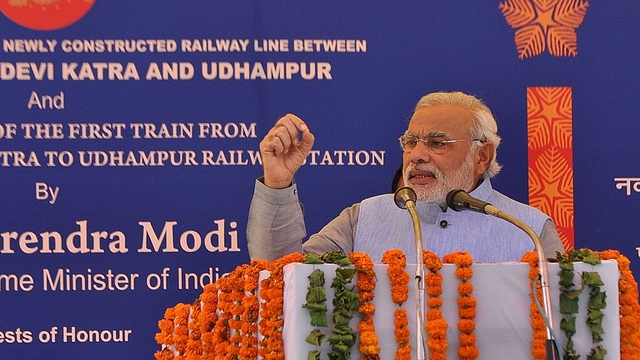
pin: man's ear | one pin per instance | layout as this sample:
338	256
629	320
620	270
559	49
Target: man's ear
484	156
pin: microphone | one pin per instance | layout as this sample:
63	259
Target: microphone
460	200
403	195
405	198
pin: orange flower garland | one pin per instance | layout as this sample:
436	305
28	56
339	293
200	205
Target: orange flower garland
466	304
251	306
366	283
194	342
165	336
399	280
221	329
207	320
436	324
272	292
629	307
181	330
236	286
538	343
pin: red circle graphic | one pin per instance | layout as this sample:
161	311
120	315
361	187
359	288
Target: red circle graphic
45	14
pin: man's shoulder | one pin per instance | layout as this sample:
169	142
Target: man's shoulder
515	207
381	197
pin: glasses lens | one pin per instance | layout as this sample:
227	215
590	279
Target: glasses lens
435	144
407	142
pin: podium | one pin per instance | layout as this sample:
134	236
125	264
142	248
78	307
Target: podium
214	323
503	324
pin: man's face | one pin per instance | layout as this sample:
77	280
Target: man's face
432	173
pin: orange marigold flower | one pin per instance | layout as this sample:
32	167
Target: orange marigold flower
431	261
393	255
464	274
434	291
467	313
467	339
434	302
465	289
466	302
400	318
367	309
434	314
433	280
626	310
437	328
437	346
468	352
466	325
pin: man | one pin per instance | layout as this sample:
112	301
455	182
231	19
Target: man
450	144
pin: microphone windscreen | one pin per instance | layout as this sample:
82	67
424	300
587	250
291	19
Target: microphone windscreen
403	195
454	200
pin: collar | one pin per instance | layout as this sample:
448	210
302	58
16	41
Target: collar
483	190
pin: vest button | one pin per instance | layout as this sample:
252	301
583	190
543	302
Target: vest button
444	224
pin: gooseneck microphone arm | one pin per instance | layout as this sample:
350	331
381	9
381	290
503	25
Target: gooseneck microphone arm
460	200
405	198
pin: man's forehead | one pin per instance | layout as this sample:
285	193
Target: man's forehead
437	129
441	119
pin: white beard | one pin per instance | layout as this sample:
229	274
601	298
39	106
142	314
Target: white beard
461	178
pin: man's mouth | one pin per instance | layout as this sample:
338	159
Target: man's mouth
420	177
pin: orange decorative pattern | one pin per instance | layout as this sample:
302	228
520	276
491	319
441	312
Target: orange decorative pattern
542	24
550	143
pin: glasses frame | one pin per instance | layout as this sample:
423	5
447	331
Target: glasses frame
426	141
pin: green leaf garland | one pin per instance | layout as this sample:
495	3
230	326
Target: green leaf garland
569	302
345	302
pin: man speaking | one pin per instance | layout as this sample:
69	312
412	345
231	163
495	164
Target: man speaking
450	144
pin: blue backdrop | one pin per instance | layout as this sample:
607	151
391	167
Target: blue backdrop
133	233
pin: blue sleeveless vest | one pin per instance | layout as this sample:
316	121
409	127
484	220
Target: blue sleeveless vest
382	226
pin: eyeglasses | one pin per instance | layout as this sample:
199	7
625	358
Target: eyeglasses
435	144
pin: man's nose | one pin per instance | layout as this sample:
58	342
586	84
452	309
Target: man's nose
420	153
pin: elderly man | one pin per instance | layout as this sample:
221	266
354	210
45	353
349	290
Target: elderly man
450	144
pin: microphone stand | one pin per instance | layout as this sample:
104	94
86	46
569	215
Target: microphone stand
552	350
405	199
461	200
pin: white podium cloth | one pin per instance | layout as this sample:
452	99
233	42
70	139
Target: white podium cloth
503	325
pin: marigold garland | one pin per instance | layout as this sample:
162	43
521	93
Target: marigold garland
181	330
399	280
207	319
251	306
538	342
366	284
436	324
235	286
194	342
466	304
165	336
221	329
272	292
629	307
